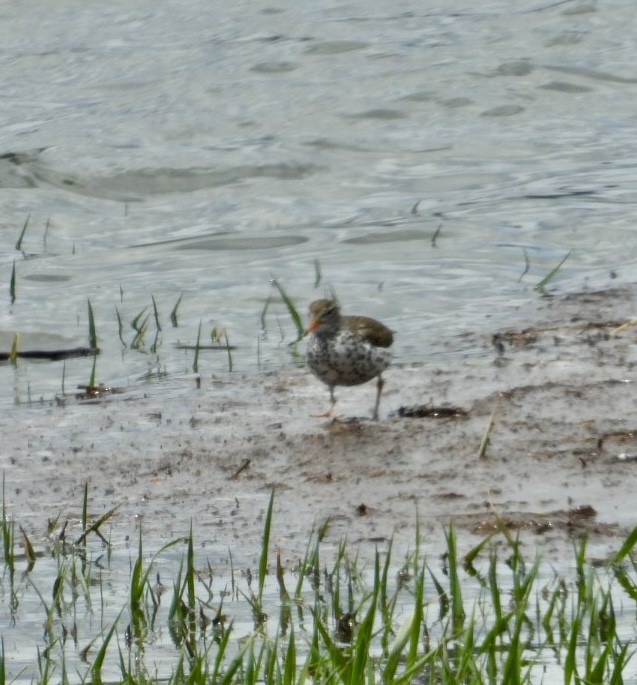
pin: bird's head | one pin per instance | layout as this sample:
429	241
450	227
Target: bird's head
324	316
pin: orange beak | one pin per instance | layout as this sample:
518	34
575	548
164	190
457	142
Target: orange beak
313	325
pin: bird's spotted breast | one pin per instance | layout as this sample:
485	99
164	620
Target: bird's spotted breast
345	359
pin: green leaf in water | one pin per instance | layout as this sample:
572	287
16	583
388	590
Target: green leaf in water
173	314
12	284
540	287
195	363
92	335
300	330
18	245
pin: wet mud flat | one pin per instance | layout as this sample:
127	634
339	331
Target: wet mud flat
557	399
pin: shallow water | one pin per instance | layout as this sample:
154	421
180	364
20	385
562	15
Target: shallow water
203	150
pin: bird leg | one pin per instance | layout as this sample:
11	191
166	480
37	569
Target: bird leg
379	389
327	413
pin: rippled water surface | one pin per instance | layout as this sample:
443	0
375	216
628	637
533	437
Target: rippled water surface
199	149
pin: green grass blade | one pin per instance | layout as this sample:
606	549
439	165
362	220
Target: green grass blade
195	362
45	236
434	237
443	597
300	329
336	656
551	275
229	351
495	587
18	245
155	345
13	355
233	668
618	668
472	554
570	660
138	340
626	582
29	552
363	644
137	579
85	510
173	313
406	634
455	588
135	325
264	311
156	313
3	671
95	526
419	602
289	670
527	265
12	284
221	653
598	671
96	667
190	573
7	532
92	335
120	327
265	543
91	380
626	547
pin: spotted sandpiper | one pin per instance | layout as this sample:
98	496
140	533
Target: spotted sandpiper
347	350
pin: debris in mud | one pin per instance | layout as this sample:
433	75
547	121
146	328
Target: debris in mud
241	469
622	445
449	495
362	509
426	411
344	426
576	521
624	456
523	338
486	437
623	327
578	329
52	355
345	627
91	392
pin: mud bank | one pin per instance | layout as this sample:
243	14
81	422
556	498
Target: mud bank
561	458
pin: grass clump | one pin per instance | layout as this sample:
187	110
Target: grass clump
488	616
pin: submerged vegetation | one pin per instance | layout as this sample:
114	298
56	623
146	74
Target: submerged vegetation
490	615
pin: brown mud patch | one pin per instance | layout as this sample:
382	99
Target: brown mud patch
560	459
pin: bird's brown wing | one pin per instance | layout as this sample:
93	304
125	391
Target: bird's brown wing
368	329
